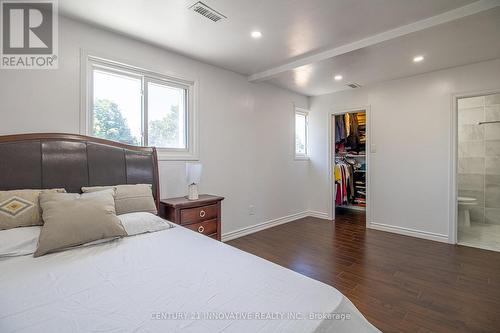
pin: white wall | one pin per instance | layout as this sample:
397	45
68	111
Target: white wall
245	129
411	128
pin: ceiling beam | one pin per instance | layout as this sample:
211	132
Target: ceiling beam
455	14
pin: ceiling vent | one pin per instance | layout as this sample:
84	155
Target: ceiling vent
354	85
207	12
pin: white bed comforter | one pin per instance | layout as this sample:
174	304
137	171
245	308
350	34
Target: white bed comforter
169	281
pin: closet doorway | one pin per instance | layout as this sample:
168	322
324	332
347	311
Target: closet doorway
349	162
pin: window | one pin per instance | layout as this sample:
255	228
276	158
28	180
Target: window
301	133
117	107
138	107
166	116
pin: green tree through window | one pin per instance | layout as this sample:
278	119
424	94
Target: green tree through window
165	132
110	124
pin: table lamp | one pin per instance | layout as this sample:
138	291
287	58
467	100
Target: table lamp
193	176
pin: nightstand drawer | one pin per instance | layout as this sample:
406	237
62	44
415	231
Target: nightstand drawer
198	214
202	215
206	228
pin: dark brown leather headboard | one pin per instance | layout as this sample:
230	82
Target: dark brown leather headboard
50	160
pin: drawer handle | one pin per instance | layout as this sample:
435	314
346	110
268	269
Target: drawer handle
202	213
201	229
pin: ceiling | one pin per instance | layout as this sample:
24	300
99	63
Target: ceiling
468	40
299	35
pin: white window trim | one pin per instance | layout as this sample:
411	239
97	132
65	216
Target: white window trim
305	112
89	62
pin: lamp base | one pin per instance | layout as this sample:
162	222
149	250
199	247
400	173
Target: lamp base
193	192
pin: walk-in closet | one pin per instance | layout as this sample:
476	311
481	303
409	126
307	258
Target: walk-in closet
349	160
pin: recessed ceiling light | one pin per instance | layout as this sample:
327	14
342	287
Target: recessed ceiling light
338	77
256	34
418	58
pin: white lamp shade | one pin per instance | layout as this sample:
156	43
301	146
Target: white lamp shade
193	173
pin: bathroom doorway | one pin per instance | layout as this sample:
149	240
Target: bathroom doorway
478	171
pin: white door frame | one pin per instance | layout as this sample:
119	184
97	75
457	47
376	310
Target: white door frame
331	156
453	203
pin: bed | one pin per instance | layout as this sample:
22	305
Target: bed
165	281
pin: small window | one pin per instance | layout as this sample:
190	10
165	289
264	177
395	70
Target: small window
301	133
142	108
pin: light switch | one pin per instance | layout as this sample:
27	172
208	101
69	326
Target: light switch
373	149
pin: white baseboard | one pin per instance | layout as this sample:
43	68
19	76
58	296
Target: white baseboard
373	225
262	226
319	215
409	232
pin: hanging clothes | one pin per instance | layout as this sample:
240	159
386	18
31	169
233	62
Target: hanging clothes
344	188
347	123
340	133
354	125
347	131
352	140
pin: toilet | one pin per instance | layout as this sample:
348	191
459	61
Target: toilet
464	204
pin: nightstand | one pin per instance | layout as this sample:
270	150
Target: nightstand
202	215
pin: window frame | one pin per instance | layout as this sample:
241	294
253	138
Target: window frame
90	63
305	113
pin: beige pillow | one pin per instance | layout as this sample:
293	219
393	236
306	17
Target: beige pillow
73	219
20	208
129	198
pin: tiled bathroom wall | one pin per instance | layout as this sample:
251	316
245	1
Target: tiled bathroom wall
479	156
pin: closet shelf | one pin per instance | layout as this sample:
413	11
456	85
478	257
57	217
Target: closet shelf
349	155
354	207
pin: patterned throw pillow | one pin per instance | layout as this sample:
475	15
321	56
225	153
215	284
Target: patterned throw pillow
21	208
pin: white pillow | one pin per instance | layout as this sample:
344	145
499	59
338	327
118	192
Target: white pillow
142	222
24	240
19	241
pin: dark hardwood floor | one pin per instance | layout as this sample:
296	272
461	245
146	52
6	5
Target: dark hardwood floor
400	283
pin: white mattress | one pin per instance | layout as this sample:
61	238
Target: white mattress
169	281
